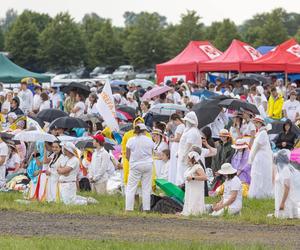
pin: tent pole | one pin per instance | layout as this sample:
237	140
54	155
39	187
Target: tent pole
286	79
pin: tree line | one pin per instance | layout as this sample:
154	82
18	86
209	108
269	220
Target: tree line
41	43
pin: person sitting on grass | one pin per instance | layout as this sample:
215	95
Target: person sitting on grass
165	156
232	197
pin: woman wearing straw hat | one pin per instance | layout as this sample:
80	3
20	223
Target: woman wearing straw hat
232	198
160	145
239	160
68	174
261	162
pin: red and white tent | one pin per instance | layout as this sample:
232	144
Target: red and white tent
294	66
276	60
185	65
231	59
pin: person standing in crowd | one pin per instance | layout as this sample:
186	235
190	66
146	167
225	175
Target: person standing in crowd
15	106
287	138
232	199
3	158
260	159
165	157
54	161
79	107
55	98
160	145
5	108
130	101
26	98
70	101
98	169
248	129
190	136
174	139
37	100
291	107
68	171
194	176
91	105
235	129
139	150
286	187
45	102
240	159
275	105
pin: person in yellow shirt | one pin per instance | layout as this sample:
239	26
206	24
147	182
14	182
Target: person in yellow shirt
275	105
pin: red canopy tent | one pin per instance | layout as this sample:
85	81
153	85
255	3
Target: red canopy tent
275	60
294	66
185	65
231	59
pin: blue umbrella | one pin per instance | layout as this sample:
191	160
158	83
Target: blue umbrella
118	83
204	93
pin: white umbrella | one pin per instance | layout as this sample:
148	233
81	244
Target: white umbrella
33	136
65	138
167	108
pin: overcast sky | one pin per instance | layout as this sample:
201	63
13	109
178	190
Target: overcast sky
209	10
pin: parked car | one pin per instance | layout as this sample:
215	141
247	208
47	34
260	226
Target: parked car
124	72
102	71
147	74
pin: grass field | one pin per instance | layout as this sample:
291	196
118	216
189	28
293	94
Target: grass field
254	211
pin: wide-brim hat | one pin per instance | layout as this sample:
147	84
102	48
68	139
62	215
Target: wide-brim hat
258	118
157	132
240	144
191	117
224	133
70	147
227	168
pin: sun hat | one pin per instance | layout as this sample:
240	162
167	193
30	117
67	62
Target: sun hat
131	84
16	90
70	147
294	85
157	132
240	144
191	117
194	154
142	126
258	118
224	133
99	138
227	168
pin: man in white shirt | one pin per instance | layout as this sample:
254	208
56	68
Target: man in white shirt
3	158
176	98
99	167
26	98
55	98
37	99
291	107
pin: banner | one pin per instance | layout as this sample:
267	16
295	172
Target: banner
253	52
210	51
295	50
106	107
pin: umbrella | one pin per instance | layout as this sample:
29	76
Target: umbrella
237	104
220	97
156	91
68	122
39	121
206	111
89	144
92	118
167	108
251	79
125	127
79	87
128	110
33	136
49	115
127	115
204	93
115	89
118	83
65	138
277	127
170	189
120	115
142	82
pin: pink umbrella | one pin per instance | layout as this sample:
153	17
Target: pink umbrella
157	90
295	155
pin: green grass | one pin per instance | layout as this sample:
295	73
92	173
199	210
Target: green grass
70	243
254	211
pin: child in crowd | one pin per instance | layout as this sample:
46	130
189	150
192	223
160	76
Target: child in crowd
166	164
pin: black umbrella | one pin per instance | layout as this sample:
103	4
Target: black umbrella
115	90
220	97
92	118
7	137
68	123
126	109
237	104
89	144
49	115
206	111
277	127
78	87
126	127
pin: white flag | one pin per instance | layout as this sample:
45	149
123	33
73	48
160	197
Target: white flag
106	107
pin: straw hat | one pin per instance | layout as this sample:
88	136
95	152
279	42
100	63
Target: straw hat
227	168
195	155
240	144
191	117
224	133
70	147
157	132
142	126
258	118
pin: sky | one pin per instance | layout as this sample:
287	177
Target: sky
209	10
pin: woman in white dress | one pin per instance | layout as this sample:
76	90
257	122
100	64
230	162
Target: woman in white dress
174	140
160	145
45	103
194	177
286	187
260	159
79	107
54	161
91	104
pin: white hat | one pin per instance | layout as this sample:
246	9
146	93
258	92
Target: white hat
294	84
191	117
259	118
260	89
240	144
224	132
15	90
227	168
195	155
70	147
129	95
93	89
131	84
2	93
142	126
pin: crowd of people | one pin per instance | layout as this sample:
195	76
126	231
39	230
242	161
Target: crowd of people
235	156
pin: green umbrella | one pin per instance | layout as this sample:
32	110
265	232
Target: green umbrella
170	189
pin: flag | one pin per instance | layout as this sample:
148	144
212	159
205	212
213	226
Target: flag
106	107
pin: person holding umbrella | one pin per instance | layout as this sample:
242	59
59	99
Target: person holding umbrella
97	171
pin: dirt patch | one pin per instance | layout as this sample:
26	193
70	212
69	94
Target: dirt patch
144	229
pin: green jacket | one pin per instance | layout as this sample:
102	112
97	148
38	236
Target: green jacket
224	155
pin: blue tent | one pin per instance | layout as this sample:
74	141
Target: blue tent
264	49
